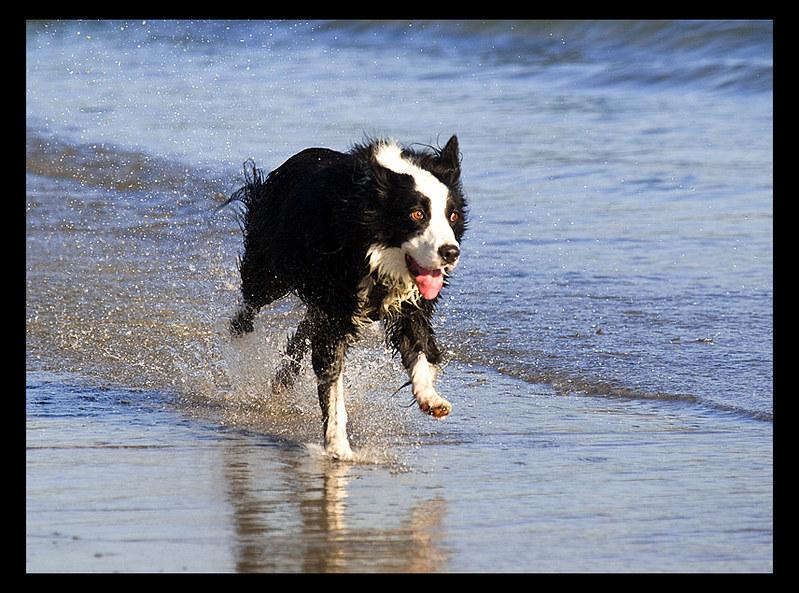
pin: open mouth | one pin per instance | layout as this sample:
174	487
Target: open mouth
429	282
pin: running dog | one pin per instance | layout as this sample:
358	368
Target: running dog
360	236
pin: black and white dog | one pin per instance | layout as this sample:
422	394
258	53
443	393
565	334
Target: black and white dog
366	235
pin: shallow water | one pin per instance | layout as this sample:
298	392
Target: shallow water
609	330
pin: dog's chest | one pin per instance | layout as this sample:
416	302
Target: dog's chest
379	297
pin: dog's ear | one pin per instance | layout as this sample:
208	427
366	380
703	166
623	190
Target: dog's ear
448	163
450	156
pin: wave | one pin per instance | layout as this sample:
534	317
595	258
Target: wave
718	36
566	382
720	55
107	166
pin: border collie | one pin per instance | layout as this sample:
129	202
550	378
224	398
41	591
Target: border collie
362	236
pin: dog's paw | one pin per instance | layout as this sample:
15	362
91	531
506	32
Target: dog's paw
438	410
340	453
432	403
339	449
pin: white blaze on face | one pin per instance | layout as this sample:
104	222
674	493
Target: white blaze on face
424	247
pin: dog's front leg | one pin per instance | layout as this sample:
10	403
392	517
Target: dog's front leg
423	375
328	363
412	336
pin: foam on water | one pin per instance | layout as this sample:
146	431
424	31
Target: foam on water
241	394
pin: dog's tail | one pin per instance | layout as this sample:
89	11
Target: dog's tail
247	195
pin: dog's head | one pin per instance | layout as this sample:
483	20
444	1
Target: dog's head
422	211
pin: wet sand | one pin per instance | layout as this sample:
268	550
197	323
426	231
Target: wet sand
519	479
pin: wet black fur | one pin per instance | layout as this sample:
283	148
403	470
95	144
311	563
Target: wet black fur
307	228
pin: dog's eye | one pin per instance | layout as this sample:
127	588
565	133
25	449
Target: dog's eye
454	217
417	215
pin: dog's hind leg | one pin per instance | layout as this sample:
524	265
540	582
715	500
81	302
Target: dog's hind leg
259	287
296	348
329	350
241	322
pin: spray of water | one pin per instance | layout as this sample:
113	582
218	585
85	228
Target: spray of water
135	286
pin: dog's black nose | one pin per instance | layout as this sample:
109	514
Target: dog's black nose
449	253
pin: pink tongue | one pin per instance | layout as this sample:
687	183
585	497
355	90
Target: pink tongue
430	283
